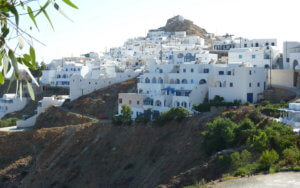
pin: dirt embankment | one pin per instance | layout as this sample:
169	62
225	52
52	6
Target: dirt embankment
102	155
57	117
103	102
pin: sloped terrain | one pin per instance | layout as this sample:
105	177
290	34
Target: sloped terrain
57	117
101	155
103	102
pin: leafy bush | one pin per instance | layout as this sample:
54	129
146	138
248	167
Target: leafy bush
205	107
175	113
292	156
247	104
265	103
8	122
259	142
145	117
245	170
124	118
267	159
219	135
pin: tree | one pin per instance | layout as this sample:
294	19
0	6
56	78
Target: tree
126	114
13	38
235	160
37	73
267	159
219	135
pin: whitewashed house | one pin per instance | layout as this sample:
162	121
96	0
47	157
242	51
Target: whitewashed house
60	76
291	55
238	82
170	85
98	79
11	103
45	103
291	116
258	56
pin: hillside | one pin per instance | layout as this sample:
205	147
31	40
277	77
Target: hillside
177	24
101	155
103	102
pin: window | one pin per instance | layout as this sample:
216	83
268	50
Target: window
129	102
256	45
272	44
253	56
206	70
250	85
267	44
250	72
120	101
184	70
192	81
192	70
231	84
221	72
258	84
137	102
287	60
245	45
161	71
228	72
240	56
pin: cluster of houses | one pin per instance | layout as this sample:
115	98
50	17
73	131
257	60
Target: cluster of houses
173	69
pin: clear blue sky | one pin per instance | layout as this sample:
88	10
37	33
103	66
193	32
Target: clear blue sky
108	23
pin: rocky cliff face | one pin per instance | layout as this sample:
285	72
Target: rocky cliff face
178	23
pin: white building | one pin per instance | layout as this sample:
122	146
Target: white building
60	76
258	56
11	103
238	82
291	116
45	103
169	85
291	55
96	80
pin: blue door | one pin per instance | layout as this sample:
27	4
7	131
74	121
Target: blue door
250	97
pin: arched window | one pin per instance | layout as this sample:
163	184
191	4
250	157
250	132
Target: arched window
267	66
160	80
147	80
158	103
184	104
202	81
184	81
64	76
154	80
58	76
177	103
177	81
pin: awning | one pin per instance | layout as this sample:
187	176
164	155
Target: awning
148	100
182	90
168	89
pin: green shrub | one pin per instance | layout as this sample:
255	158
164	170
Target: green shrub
235	159
124	118
265	103
8	122
259	141
267	159
247	104
175	113
205	107
292	156
219	134
145	117
245	170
